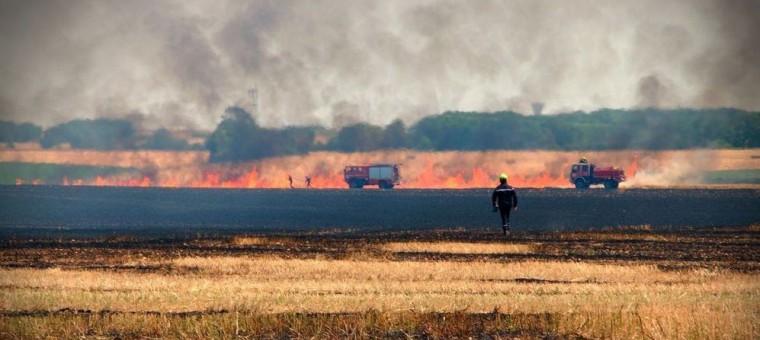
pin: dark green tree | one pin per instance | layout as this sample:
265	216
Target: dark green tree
394	136
358	137
11	132
163	139
649	129
297	139
98	134
239	138
234	138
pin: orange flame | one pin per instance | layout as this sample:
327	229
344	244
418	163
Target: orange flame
631	170
428	178
427	170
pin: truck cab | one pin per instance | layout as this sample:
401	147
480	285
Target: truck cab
581	170
583	175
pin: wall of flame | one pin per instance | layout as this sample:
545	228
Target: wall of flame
537	169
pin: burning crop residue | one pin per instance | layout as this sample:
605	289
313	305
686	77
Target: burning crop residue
426	170
450	170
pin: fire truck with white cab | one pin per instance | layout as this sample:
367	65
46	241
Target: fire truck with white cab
385	176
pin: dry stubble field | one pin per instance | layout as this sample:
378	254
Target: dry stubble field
640	282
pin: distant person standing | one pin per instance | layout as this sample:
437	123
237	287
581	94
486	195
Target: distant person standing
308	182
504	200
290	181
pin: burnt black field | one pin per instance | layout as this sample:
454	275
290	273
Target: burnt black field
57	211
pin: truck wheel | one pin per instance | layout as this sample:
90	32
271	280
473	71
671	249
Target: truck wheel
384	185
356	184
611	185
581	184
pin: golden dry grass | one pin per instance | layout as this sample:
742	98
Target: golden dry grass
458	247
266	296
593	299
642	227
638	324
286	285
248	240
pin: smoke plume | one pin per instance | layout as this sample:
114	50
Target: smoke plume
180	63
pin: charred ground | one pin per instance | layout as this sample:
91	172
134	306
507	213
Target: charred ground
159	213
733	248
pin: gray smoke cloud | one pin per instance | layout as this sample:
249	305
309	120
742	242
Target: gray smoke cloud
179	63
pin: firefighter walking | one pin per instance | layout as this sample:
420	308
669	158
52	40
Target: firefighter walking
504	200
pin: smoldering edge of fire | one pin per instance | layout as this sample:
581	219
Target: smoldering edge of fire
180	63
423	170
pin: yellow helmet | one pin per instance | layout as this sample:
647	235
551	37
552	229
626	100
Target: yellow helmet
503	176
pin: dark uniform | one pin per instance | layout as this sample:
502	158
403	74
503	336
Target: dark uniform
504	198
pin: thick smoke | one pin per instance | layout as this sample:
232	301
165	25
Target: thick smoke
180	63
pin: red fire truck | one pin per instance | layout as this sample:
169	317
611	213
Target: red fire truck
583	175
385	176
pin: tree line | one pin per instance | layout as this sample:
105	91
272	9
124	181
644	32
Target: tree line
95	134
238	137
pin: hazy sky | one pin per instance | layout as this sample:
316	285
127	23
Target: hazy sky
181	63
